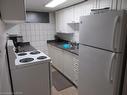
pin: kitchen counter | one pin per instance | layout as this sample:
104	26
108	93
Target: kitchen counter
25	46
57	44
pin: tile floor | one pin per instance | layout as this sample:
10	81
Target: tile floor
68	91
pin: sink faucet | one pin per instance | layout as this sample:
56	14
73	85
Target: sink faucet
73	44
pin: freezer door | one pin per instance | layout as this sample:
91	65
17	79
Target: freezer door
96	71
103	31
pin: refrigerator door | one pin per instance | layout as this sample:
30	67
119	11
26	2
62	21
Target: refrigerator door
103	31
96	71
125	82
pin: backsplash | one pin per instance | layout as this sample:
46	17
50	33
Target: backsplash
36	33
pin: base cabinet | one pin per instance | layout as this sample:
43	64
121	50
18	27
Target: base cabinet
56	55
75	69
68	65
65	62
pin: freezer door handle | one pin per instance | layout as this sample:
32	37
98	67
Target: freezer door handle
111	64
115	32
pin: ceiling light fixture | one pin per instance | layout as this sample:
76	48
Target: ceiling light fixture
55	3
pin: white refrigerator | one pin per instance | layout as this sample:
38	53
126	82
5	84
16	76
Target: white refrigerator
101	52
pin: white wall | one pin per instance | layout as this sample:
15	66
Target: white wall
36	33
4	77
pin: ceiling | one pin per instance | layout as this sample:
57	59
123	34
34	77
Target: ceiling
39	5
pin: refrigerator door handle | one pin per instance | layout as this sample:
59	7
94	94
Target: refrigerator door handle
111	64
114	31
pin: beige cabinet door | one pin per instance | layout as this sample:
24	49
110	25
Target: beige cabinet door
124	4
56	55
75	69
78	12
68	65
59	60
13	11
68	18
59	21
104	3
88	5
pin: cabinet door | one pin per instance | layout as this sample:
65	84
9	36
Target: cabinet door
124	4
75	69
56	57
59	60
68	65
61	18
104	3
88	5
68	18
69	15
13	11
78	12
59	21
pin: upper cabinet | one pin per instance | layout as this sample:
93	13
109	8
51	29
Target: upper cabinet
105	3
124	4
78	12
90	4
69	15
59	21
63	17
67	20
13	11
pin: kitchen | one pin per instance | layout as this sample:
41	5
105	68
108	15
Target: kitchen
56	36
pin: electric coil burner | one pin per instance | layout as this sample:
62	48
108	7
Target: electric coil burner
35	52
22	54
41	57
24	60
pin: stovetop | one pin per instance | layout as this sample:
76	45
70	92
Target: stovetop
31	57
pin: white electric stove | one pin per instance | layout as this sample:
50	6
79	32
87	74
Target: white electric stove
31	57
30	72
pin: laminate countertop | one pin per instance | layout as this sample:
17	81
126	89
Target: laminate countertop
58	45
